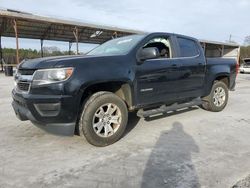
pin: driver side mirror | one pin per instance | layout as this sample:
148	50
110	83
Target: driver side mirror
148	53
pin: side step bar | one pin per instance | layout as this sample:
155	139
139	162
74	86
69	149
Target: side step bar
163	109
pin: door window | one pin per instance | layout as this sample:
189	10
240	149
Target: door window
162	44
188	48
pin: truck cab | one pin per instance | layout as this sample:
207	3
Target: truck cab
183	66
91	95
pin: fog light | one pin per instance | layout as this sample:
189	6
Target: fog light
48	109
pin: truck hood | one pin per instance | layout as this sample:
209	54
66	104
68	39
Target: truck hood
47	62
68	61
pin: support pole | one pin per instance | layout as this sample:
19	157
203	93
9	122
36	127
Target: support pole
41	47
17	44
1	53
75	32
204	47
70	44
222	51
230	38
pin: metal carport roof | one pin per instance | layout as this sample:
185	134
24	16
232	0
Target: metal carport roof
20	24
39	27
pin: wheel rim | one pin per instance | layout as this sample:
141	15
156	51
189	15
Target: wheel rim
107	120
219	96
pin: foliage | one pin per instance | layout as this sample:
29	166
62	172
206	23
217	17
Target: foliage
244	52
247	41
9	54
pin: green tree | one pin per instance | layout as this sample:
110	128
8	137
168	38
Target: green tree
9	54
244	52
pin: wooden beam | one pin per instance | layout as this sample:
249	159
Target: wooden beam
70	44
41	47
17	44
75	32
223	50
1	53
47	30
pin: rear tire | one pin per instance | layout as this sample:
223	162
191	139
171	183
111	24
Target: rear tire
103	119
217	100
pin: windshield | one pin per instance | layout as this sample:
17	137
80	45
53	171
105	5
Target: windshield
119	46
247	61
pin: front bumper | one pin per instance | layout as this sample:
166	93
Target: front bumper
55	114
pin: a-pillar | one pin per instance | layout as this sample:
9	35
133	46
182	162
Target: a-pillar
204	48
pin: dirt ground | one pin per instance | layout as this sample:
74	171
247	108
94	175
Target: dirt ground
190	148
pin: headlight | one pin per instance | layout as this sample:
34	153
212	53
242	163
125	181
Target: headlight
48	76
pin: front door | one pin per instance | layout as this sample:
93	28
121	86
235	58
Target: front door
157	79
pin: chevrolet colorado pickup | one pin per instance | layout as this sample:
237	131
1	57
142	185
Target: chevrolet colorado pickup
91	95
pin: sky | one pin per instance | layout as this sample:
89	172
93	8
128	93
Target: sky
204	19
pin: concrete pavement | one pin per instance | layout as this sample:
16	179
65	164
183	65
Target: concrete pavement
191	148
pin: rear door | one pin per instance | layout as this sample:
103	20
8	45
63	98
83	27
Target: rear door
192	69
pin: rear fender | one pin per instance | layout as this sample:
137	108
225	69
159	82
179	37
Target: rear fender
215	72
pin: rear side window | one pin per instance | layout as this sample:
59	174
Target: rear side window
188	48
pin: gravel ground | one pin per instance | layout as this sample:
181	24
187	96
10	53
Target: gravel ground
245	183
191	148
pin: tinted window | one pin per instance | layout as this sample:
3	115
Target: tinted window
188	48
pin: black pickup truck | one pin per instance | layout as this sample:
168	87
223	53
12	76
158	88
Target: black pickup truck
91	94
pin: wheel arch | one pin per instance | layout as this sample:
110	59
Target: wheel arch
122	89
224	77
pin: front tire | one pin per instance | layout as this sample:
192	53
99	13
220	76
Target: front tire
217	100
103	119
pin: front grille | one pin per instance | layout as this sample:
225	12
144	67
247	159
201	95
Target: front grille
26	71
23	79
23	86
